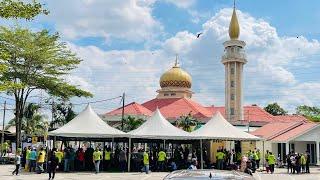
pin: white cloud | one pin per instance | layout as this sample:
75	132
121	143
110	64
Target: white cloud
182	3
267	74
126	19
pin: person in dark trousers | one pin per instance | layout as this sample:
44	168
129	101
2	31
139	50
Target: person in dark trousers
17	162
289	164
52	164
308	162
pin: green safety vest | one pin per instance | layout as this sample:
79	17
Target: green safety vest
145	158
107	155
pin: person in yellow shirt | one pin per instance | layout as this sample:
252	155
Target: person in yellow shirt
303	163
107	158
271	161
41	159
97	156
146	161
4	148
220	159
161	159
28	153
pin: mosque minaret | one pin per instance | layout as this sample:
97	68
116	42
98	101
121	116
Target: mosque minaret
234	59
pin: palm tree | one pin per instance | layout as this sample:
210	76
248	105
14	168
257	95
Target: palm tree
33	123
131	123
187	122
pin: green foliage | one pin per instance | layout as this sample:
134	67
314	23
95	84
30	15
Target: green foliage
131	123
311	113
63	113
187	122
275	109
37	60
18	9
33	123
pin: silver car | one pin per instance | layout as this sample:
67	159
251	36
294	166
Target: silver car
207	174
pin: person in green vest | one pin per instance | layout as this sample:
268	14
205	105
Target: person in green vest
146	161
266	159
271	162
4	148
161	159
238	157
28	155
303	162
220	159
97	155
107	158
258	158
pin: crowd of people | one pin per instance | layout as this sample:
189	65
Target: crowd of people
298	163
70	159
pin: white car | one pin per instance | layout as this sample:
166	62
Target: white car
207	174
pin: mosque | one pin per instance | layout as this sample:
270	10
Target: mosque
174	99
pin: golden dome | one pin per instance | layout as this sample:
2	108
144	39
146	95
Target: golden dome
176	77
234	29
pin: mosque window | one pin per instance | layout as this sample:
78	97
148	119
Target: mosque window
231	111
232	84
232	96
173	94
232	70
165	94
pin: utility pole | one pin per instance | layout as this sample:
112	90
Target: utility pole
4	117
122	119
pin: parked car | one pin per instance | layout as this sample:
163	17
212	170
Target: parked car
207	174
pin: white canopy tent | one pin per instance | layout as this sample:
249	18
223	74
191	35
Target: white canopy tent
89	125
219	128
157	127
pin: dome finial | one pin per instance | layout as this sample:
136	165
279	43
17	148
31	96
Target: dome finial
234	29
176	63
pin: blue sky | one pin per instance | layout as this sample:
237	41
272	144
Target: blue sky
127	45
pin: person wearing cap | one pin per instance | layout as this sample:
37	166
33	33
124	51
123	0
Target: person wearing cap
146	162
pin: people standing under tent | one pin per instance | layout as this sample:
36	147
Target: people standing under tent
271	162
298	163
71	159
232	157
53	162
41	160
28	153
33	159
4	148
258	158
122	160
80	159
146	162
303	161
23	157
253	161
238	158
59	155
161	159
293	163
97	156
193	165
66	156
107	158
307	162
89	165
220	159
243	164
17	162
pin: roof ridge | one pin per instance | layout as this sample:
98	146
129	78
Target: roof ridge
195	108
296	124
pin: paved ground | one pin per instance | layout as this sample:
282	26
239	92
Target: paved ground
280	174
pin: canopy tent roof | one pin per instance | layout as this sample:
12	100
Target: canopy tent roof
87	124
157	127
219	128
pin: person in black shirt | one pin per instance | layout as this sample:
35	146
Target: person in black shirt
308	162
52	164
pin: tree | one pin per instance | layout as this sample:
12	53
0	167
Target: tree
33	123
187	122
311	113
18	9
35	61
131	123
275	109
62	114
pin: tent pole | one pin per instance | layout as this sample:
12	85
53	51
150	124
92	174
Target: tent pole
164	144
129	155
201	154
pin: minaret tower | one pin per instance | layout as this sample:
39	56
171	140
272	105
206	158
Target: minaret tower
234	59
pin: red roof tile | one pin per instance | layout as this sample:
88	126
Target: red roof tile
290	118
276	128
293	133
173	108
131	109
